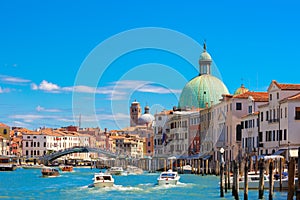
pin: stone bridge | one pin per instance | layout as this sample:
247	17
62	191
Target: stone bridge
48	158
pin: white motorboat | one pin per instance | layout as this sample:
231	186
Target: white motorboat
6	164
168	178
103	180
253	182
116	171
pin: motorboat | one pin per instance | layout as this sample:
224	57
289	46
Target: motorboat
66	168
134	170
168	178
49	172
103	180
253	182
116	171
6	164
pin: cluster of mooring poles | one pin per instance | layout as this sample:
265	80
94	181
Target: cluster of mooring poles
265	166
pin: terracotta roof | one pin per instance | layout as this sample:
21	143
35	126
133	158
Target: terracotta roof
294	97
258	96
287	86
3	125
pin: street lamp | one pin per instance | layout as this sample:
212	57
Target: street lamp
221	172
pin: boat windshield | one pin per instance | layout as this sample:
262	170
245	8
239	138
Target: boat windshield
168	175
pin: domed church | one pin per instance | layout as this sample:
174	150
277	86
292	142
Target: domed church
204	89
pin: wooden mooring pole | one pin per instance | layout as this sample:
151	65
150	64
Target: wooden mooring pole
234	180
298	186
225	174
280	174
291	183
246	180
228	175
236	196
271	182
221	179
261	180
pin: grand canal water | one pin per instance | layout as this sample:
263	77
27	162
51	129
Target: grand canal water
28	184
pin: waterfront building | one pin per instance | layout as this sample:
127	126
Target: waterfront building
280	119
5	139
161	131
4	131
194	130
4	146
44	141
130	146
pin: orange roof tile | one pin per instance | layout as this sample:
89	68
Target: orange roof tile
258	96
287	86
294	97
3	125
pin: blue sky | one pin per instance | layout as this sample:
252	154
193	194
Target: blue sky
63	59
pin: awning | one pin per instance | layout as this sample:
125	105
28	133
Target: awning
206	157
279	152
293	153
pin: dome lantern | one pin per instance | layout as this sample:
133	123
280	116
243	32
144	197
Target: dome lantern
204	61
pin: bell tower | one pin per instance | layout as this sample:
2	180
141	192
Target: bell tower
135	113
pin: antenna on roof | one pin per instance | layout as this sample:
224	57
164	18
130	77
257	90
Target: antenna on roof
79	124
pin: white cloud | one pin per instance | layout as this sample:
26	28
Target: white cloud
13	80
28	118
158	89
42	109
114	91
48	86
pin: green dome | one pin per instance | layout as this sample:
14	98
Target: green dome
201	90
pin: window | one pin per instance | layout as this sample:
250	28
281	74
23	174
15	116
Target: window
26	144
261	116
250	109
297	113
238	106
284	134
238	132
267	115
285	112
270	97
149	144
277	95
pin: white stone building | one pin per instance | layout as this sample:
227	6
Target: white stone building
280	119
